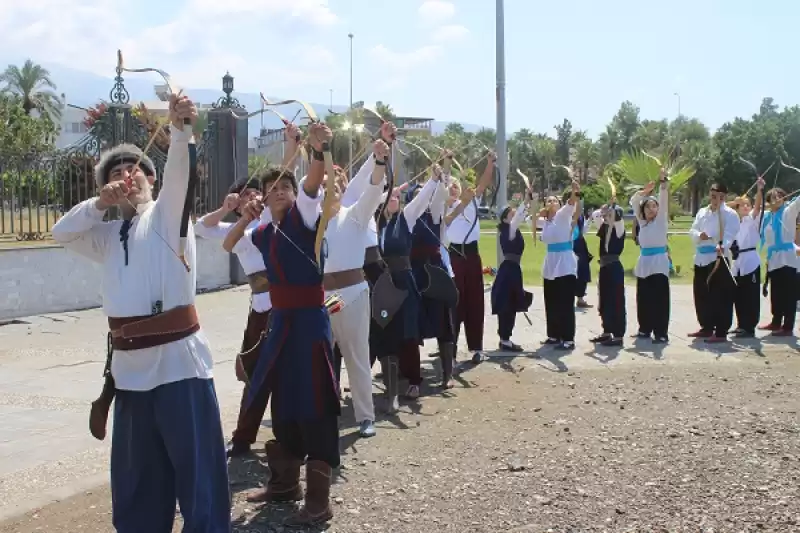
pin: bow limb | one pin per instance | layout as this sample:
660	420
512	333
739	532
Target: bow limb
327	203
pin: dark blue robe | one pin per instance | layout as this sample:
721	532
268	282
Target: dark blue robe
435	318
508	294
581	250
296	360
396	241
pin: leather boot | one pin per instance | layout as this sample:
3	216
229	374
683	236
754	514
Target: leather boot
447	353
284	477
317	509
391	380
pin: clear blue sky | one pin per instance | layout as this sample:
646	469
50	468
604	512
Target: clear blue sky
577	59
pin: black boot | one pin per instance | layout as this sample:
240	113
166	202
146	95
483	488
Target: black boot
447	353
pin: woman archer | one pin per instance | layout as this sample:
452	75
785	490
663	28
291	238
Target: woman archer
560	270
652	267
508	295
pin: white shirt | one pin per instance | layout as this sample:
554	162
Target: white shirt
463	229
559	230
652	234
153	273
348	235
249	256
516	221
747	237
708	221
782	258
355	188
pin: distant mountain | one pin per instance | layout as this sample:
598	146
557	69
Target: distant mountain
86	89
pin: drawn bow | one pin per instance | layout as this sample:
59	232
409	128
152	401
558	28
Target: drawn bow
327	203
192	183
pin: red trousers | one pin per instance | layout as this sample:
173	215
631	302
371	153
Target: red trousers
408	359
468	271
249	421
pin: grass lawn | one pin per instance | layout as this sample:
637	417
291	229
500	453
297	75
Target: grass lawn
681	250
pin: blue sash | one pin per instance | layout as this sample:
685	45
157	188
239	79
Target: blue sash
655	250
707	249
559	247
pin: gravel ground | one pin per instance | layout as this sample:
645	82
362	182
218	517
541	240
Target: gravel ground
519	447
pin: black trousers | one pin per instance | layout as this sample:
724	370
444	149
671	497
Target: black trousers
559	307
783	296
653	304
315	440
611	295
505	324
713	299
747	300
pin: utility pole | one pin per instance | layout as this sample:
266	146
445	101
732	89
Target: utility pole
501	149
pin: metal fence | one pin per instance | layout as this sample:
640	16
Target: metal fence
38	188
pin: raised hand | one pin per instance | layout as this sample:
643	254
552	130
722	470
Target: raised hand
231	202
252	210
180	108
467	195
292	133
388	132
318	134
114	193
648	188
380	149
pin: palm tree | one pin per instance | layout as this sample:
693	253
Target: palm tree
33	85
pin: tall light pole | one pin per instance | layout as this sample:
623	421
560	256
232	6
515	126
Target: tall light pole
350	132
679	104
502	152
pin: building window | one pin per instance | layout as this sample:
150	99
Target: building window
75	127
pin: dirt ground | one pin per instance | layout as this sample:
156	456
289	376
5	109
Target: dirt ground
519	446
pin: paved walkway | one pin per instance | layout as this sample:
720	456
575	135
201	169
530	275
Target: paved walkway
51	370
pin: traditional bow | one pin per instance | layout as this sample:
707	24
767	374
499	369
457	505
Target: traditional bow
529	189
190	189
327	203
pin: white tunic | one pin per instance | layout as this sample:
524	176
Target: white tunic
154	273
355	189
464	229
652	235
747	237
249	256
348	235
782	258
558	231
708	221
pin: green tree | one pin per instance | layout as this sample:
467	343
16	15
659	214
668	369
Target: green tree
32	83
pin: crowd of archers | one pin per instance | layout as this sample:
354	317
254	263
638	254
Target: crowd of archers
359	271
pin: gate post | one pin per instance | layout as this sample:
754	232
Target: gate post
229	161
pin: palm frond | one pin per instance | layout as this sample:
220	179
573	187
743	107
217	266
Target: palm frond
679	178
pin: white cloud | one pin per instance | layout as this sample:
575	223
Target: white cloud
450	33
399	66
262	42
433	12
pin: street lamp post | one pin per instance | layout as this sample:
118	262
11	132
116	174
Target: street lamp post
350	132
679	104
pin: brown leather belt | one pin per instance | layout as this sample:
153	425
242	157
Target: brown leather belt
258	281
372	255
398	263
139	332
333	281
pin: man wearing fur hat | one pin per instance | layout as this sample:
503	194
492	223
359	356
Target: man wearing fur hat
167	440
